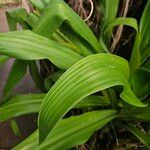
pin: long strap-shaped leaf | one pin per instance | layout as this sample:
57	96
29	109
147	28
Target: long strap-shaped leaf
59	12
30	103
141	49
30	46
144	32
90	75
20	105
70	132
145	139
138	82
136	113
74	42
109	10
122	21
17	72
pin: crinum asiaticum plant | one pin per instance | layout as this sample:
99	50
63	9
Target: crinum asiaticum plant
85	67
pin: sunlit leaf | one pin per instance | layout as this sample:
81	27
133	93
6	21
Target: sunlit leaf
30	46
30	103
70	132
90	75
110	9
57	14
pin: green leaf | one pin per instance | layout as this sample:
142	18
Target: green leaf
90	75
144	138
135	60
27	45
140	114
3	59
20	105
39	4
56	75
146	65
141	82
30	103
31	142
19	14
118	21
17	72
16	15
15	127
76	42
144	32
70	132
110	9
27	20
35	74
48	82
82	47
92	101
122	21
57	14
11	22
141	49
32	19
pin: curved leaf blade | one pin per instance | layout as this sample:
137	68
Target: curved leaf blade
58	12
20	105
30	103
30	46
90	75
140	114
141	49
118	21
145	139
141	86
14	16
17	72
122	21
144	32
135	60
110	9
70	132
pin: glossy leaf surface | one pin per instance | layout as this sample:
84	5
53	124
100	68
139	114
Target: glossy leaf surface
90	75
70	132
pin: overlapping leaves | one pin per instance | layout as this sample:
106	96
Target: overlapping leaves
70	132
90	75
30	46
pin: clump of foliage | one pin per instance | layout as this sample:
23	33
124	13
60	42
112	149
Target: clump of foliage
102	89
